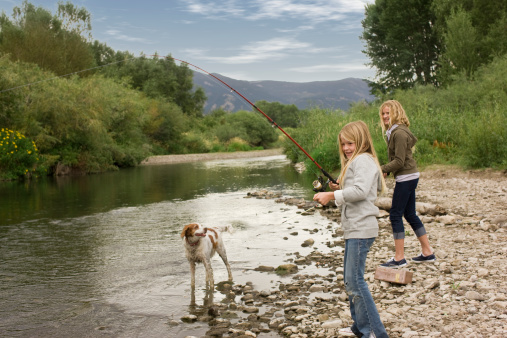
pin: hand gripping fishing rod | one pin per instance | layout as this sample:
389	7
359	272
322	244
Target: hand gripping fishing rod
318	185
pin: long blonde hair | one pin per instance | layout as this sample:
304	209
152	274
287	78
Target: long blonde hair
397	114
358	133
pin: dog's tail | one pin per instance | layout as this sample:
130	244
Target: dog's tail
226	228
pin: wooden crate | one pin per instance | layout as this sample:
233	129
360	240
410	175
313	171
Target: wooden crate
399	276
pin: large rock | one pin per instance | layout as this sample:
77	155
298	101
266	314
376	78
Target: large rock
285	269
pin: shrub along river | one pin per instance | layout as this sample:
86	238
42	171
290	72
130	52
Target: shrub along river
101	255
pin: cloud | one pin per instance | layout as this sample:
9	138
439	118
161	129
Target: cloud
213	8
316	10
101	19
116	34
271	49
297	29
338	67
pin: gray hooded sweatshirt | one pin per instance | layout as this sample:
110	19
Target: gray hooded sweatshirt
357	198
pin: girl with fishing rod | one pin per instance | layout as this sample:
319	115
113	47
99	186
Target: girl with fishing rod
360	181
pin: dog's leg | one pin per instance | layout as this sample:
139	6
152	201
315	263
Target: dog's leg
223	255
209	273
208	298
192	298
192	275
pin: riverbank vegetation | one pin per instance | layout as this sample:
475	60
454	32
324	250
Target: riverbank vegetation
87	108
463	124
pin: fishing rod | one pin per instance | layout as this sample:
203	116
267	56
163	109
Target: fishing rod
318	185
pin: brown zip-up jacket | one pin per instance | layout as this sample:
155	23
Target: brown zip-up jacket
401	160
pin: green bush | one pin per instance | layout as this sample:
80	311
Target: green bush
485	141
237	144
18	156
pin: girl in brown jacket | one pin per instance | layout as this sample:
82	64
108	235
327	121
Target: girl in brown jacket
402	165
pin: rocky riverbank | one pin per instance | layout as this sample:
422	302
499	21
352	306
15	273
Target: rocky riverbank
463	294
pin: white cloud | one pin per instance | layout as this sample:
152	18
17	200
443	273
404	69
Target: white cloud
116	34
316	10
212	8
337	67
297	29
271	49
101	19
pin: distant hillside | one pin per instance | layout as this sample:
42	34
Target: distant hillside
325	94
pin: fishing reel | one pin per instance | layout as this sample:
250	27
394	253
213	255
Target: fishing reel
319	185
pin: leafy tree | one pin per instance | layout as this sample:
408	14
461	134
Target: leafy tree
473	33
166	125
283	115
52	42
158	78
248	126
104	55
215	118
462	45
401	43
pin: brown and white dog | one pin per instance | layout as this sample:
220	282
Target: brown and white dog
200	245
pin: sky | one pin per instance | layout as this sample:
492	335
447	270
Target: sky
252	40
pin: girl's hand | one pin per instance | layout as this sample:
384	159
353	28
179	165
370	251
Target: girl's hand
334	186
323	197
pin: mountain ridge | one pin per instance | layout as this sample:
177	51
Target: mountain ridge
337	94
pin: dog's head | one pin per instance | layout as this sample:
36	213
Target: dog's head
193	229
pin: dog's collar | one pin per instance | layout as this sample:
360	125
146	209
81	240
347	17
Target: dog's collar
193	244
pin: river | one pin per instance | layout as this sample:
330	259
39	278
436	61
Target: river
101	255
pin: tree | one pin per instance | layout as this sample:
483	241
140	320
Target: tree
158	77
248	126
401	43
52	42
283	115
472	34
462	45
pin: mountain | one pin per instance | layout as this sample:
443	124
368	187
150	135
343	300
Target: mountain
324	94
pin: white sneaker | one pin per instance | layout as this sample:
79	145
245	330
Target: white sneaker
372	335
346	331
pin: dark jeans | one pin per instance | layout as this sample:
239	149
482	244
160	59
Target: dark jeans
404	206
362	307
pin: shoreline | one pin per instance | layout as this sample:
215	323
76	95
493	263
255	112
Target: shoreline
463	293
185	158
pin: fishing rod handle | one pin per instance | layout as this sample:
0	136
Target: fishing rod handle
328	176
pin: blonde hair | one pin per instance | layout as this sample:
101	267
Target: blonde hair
397	114
358	133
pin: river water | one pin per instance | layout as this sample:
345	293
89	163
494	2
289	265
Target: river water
102	256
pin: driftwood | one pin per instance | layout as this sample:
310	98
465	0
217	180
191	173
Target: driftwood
421	207
401	276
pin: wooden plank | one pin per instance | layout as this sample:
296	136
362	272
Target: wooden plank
399	276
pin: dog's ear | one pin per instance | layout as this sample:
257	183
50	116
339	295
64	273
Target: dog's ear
185	228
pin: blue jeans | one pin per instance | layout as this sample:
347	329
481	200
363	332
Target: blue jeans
404	206
362	307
